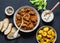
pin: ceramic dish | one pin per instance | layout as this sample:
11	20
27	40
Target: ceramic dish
43	35
47	18
36	23
9	10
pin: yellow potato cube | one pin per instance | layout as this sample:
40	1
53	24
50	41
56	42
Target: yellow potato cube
39	37
46	29
52	39
44	34
49	36
50	32
53	33
47	40
41	31
42	40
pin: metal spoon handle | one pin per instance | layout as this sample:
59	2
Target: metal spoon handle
15	34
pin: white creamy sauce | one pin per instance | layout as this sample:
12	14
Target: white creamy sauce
48	17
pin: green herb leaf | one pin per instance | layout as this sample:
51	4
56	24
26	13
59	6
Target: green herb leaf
39	4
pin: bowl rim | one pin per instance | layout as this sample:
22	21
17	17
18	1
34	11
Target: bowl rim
48	26
36	24
8	8
47	21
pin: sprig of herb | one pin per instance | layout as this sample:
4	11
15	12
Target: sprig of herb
40	4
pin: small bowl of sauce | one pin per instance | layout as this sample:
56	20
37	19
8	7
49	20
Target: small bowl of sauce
9	10
47	18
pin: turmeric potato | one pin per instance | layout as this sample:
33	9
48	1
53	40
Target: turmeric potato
46	28
44	34
40	32
39	37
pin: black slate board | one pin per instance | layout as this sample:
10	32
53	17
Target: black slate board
28	37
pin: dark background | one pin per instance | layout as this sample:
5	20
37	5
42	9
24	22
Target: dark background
28	37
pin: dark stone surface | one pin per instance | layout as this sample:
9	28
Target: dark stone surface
28	37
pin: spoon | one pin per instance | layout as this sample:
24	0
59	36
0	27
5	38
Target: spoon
16	33
48	13
52	9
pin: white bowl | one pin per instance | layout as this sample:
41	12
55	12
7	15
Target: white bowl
8	8
50	27
36	24
50	18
